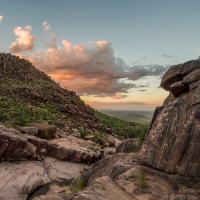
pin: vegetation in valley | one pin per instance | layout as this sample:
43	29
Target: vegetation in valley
136	116
123	128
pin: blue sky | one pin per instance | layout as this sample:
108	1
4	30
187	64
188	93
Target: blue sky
148	35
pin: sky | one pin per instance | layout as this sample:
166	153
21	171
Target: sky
113	53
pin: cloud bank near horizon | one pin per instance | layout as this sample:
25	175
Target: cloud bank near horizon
87	70
118	104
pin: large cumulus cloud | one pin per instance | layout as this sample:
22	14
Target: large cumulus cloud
90	69
24	41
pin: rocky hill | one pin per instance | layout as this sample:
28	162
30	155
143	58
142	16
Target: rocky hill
28	95
35	94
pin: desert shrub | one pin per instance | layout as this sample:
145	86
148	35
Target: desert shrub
78	185
142	136
98	139
142	180
84	133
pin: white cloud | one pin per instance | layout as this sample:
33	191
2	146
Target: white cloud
46	26
24	41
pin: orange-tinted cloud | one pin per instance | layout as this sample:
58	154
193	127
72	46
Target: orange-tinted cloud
90	71
1	18
24	41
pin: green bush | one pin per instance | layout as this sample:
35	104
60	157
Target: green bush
84	133
142	136
142	180
78	185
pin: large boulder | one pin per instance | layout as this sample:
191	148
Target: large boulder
45	131
14	146
18	179
39	143
172	144
62	171
177	72
129	145
29	130
74	150
71	109
103	188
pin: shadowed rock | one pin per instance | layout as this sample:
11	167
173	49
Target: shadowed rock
128	145
177	72
172	143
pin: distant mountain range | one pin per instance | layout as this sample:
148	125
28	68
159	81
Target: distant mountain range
141	116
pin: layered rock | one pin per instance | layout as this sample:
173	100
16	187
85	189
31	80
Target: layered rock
73	149
128	145
172	142
62	171
176	73
123	177
20	179
15	146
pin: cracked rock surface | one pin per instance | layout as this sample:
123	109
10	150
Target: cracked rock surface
18	179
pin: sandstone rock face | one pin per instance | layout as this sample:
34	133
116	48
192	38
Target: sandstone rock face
20	179
59	171
178	88
14	146
128	145
103	188
172	144
123	177
73	149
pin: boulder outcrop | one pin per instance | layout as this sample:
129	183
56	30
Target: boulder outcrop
73	149
176	73
14	146
123	177
172	142
128	145
62	171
